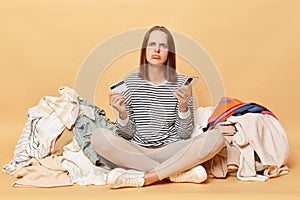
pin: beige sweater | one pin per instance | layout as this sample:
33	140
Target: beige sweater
265	135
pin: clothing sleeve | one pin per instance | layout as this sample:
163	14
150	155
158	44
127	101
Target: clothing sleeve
83	130
185	121
126	128
82	137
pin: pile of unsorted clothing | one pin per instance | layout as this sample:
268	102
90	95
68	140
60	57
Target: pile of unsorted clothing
256	144
54	147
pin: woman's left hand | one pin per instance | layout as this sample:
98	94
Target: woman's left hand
183	94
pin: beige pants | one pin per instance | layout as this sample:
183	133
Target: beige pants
166	160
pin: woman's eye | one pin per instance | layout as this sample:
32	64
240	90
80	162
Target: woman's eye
151	44
163	46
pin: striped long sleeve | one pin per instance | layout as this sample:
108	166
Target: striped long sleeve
153	116
126	128
185	126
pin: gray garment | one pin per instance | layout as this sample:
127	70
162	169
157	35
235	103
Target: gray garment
83	128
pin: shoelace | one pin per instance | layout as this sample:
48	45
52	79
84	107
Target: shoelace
134	180
189	175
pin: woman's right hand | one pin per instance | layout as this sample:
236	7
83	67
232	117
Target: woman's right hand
117	101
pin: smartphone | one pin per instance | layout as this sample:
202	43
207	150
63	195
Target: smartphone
119	87
190	80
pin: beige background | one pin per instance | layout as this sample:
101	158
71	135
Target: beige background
254	43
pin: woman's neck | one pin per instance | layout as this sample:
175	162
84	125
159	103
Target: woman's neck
156	74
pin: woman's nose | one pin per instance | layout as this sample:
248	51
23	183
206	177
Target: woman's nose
157	49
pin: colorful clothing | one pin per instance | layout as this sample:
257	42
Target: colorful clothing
233	107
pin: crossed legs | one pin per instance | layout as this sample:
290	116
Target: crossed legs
161	162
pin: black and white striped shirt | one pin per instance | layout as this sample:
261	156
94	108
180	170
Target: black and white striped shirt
153	116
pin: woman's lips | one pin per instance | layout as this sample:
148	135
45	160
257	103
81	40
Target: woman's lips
156	57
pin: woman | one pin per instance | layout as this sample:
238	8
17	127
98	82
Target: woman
155	116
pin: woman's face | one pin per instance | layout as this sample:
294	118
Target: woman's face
157	48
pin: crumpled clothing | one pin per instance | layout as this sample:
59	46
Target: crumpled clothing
268	139
37	138
83	129
247	170
201	116
46	172
66	106
268	144
80	168
45	123
44	134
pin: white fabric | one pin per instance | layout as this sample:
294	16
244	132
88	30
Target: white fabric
246	171
20	152
82	171
123	122
87	111
268	139
45	123
37	138
46	132
184	115
201	116
66	106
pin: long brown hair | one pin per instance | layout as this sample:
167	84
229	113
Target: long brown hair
170	64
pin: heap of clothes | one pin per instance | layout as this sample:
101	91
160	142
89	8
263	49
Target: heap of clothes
54	147
256	144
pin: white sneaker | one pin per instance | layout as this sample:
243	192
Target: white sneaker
118	178
194	175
